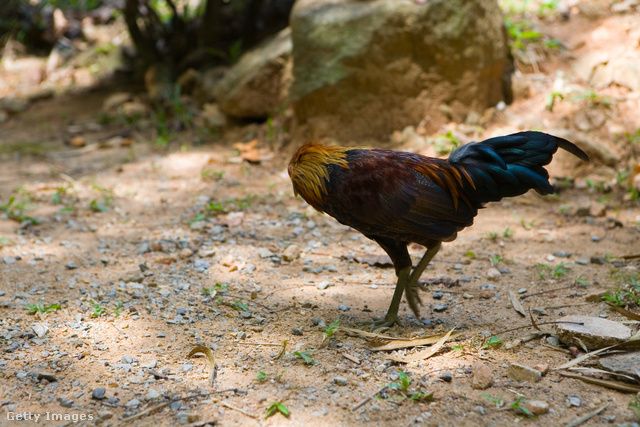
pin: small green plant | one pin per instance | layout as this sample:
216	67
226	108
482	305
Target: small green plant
445	144
211	173
261	376
270	128
421	395
521	33
98	310
527	225
15	210
591	98
493	235
328	333
214	207
458	347
580	281
402	387
59	194
306	356
507	232
633	138
628	296
494	341
235	51
542	269
470	254
404	383
240	306
163	134
635	406
560	270
598	186
41	309
276	407
217	288
116	311
495	260
496	401
101	204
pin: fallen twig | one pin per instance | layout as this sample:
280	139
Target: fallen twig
587	417
235	408
367	399
168	402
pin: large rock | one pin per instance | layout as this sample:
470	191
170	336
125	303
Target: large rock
592	332
363	69
258	84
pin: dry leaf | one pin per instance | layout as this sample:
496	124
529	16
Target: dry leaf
416	342
616	385
582	358
626	313
365	334
533	322
352	358
425	354
602	371
246	146
513	299
252	156
212	361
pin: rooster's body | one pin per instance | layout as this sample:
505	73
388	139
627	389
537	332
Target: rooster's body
396	198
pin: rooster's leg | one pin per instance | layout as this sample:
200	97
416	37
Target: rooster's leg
391	318
411	290
406	283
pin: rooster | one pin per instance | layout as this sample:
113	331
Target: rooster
396	198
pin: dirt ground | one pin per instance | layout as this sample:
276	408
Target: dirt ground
150	252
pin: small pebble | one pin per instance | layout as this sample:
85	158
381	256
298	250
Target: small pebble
200	263
440	307
573	401
297	331
323	285
340	381
99	393
493	273
479	409
446	377
536	407
562	254
132	403
343	307
65	403
152	394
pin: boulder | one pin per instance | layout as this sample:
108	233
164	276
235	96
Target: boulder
363	69
258	84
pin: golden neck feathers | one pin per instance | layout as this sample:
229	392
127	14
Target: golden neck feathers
308	170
